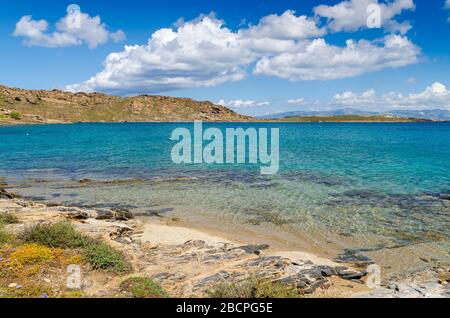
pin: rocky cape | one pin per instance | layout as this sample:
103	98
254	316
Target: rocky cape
20	106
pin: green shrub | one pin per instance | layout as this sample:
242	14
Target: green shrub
8	218
60	234
254	288
98	254
102	256
4	237
15	115
142	287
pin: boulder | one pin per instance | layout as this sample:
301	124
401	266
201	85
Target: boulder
327	271
104	214
30	99
351	275
122	214
76	213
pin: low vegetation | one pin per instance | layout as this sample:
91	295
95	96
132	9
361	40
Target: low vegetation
31	270
62	235
4	237
102	256
30	254
254	288
73	294
35	290
15	115
142	287
8	218
33	261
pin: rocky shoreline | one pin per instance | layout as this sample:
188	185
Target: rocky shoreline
189	263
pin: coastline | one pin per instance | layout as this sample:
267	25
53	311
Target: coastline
57	122
188	261
396	259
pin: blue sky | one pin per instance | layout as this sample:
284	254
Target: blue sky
236	72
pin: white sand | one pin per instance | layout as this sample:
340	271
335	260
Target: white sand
174	235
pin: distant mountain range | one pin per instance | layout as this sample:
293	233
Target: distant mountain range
433	114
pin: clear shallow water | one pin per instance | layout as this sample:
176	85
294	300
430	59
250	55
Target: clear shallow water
384	182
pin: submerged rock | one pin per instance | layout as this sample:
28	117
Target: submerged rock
353	256
155	213
8	195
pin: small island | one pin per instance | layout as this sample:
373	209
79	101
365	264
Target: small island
351	119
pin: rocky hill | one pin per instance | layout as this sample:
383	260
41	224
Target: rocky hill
43	106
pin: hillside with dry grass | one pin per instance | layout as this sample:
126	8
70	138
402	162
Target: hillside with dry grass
43	106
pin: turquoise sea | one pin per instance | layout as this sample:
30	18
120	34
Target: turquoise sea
375	185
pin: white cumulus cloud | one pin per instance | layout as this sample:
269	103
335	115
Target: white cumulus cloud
85	29
447	6
204	53
118	36
277	33
352	15
198	54
318	60
296	101
435	96
239	103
